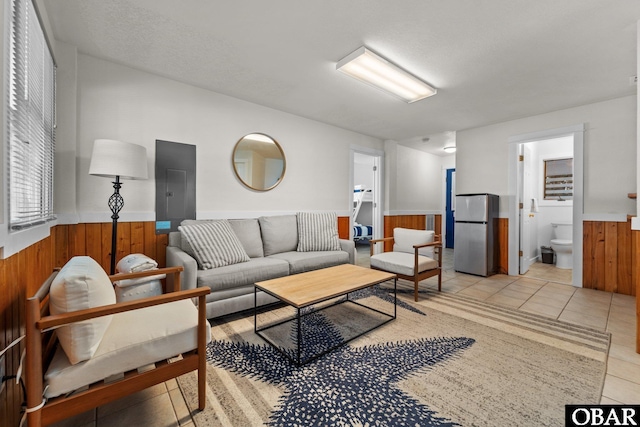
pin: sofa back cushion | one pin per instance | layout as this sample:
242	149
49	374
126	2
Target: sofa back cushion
214	244
279	233
405	238
317	232
81	284
248	232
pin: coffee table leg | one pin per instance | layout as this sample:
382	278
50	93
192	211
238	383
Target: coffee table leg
299	335
255	309
395	297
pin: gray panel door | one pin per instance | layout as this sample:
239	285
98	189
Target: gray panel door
175	184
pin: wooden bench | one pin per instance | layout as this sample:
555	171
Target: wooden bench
41	344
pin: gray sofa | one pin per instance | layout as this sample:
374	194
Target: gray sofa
271	243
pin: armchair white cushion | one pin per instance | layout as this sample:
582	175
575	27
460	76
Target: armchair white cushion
405	238
160	332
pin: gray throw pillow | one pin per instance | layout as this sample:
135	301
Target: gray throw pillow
317	232
279	233
214	244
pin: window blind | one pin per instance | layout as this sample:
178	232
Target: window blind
31	116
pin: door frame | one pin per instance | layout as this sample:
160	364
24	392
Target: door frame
377	190
577	132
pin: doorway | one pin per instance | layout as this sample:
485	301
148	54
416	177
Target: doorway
450	208
365	195
530	227
546	200
175	185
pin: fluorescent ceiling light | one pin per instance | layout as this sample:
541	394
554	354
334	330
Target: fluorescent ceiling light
374	70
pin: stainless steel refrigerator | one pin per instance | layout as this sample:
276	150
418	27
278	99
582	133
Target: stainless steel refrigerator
476	225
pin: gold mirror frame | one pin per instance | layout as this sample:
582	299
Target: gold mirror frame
259	162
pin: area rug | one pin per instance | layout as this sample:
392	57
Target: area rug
444	361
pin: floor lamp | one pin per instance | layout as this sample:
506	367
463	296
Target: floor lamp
119	160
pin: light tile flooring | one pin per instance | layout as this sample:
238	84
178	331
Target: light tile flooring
163	405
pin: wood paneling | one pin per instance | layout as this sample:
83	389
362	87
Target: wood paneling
635	267
22	274
608	257
503	245
343	227
437	224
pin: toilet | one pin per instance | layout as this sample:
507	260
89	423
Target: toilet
562	244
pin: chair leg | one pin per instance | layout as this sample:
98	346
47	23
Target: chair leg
415	288
440	280
202	384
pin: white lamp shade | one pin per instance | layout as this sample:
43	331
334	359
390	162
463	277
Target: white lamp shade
112	158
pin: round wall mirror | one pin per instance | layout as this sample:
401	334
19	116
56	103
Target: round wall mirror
258	161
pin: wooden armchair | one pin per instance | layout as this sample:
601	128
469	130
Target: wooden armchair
416	255
174	331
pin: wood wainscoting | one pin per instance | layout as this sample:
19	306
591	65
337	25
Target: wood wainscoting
609	257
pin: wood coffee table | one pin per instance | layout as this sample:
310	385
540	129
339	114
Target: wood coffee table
305	289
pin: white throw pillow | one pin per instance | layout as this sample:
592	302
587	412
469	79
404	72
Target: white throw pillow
317	232
81	284
214	244
405	238
134	263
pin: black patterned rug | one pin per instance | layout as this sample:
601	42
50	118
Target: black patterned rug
445	361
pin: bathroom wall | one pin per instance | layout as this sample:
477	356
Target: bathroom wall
550	210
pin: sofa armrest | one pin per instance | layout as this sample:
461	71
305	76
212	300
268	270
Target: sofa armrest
176	257
349	247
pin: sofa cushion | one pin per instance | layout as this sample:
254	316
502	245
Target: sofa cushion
279	233
405	238
244	274
402	263
160	332
299	262
214	244
81	284
248	232
317	232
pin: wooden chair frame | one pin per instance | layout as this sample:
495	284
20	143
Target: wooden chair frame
41	343
417	277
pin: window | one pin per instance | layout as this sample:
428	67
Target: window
30	118
558	179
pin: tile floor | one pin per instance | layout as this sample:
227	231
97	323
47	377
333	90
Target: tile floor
163	405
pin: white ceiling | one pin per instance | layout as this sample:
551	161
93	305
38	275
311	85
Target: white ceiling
491	61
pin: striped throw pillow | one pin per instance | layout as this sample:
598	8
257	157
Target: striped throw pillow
214	244
317	232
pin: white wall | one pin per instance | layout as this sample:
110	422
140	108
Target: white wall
609	152
117	102
414	180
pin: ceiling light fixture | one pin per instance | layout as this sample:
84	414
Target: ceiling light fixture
377	71
450	147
